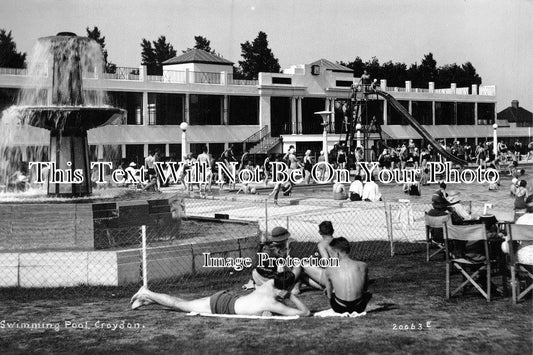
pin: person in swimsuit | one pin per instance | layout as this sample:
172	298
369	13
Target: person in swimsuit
205	159
266	298
312	275
346	286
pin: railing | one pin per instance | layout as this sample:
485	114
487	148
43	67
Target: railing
444	91
13	71
419	90
200	77
394	89
462	91
232	81
257	136
487	90
123	73
169	76
266	143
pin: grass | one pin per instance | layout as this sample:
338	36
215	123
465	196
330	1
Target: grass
407	292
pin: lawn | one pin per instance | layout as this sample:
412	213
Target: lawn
408	293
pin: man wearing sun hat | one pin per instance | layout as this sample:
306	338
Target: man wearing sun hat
459	214
276	245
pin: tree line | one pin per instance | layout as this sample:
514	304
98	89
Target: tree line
258	57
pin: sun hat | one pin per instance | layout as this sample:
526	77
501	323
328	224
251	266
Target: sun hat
279	234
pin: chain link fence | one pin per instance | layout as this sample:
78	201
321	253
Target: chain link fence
206	232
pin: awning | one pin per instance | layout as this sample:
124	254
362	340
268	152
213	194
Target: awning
169	134
462	131
125	134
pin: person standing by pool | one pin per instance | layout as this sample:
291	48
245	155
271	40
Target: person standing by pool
308	166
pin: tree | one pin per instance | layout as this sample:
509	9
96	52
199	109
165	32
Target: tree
9	57
203	44
357	66
419	74
155	53
97	36
257	58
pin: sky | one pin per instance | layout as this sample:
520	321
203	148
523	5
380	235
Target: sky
495	35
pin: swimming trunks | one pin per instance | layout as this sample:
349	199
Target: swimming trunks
223	303
341	306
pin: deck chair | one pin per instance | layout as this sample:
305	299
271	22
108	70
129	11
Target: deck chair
434	224
504	218
467	233
519	232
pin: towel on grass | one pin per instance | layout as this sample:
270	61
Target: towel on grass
331	313
242	316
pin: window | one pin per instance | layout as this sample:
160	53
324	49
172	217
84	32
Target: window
466	113
422	111
394	117
277	80
129	101
165	109
243	110
445	113
206	109
485	113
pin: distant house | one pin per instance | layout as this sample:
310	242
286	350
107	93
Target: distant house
515	116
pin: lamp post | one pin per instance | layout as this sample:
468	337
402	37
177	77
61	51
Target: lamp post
325	123
183	126
495	140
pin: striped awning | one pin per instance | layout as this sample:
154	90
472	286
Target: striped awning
169	134
463	131
125	134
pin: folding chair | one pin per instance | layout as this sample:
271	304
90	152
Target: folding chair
434	224
504	218
467	233
518	232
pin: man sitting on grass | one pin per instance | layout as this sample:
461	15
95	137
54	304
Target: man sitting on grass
346	286
315	276
266	298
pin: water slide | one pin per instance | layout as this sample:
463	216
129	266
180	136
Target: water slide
418	127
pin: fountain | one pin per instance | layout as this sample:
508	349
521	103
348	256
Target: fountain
66	110
43	238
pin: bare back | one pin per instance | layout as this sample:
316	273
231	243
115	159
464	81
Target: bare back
262	300
323	247
349	280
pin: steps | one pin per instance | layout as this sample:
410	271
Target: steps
266	144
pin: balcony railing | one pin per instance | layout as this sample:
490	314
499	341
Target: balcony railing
13	71
123	73
487	90
232	81
200	77
394	89
170	76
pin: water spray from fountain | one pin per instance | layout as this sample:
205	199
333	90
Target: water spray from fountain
61	100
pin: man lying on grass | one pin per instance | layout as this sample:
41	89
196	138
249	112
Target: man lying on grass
346	286
265	298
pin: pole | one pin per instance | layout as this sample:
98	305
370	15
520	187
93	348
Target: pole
495	140
183	145
263	237
325	143
145	275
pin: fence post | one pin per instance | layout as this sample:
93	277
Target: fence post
263	237
389	221
145	276
288	223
